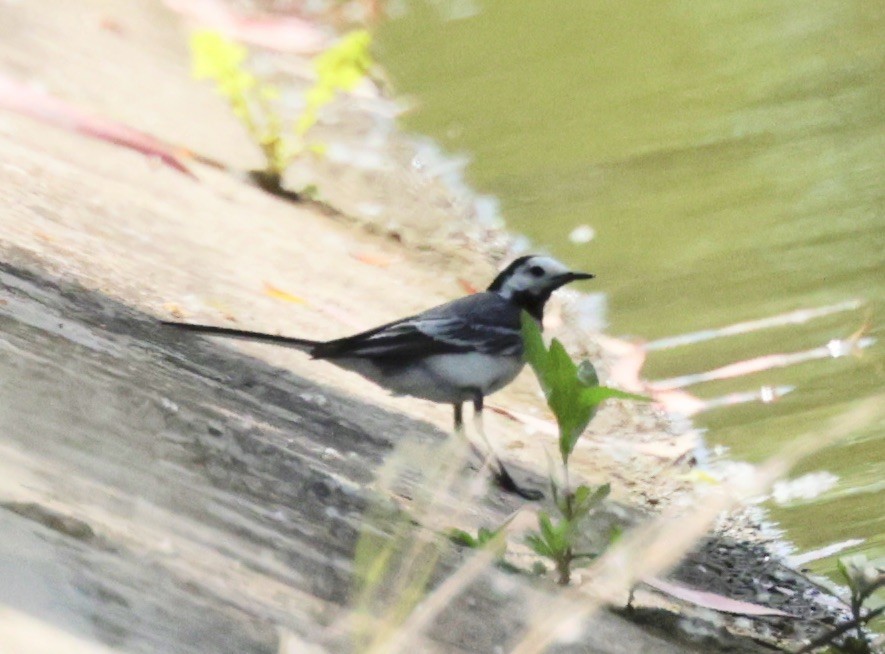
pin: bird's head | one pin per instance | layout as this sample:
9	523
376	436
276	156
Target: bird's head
529	281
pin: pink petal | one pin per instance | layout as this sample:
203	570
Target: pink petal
712	600
28	101
281	33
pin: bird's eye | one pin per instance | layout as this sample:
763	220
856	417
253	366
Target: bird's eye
536	271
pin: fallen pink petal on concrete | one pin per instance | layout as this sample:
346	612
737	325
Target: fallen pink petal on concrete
713	601
24	99
280	33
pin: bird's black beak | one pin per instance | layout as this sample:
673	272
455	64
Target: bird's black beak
570	276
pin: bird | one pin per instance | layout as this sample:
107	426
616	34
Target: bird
454	353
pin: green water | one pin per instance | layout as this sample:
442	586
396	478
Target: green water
730	158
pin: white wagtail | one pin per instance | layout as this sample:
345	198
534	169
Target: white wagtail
457	352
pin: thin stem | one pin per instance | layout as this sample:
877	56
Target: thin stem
856	605
564	562
828	637
563	567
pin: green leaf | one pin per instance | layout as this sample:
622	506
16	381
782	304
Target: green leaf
572	393
563	532
539	545
556	536
547	531
598	394
462	537
586	499
600	494
342	66
534	352
580	506
561	383
215	57
493	539
564	369
863	577
582	492
564	398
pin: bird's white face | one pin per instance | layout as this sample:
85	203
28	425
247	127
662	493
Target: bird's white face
537	275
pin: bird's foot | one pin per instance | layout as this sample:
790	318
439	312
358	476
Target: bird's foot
506	483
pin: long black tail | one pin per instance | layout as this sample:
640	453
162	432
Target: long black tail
286	341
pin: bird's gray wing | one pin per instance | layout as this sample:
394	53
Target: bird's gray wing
477	335
478	323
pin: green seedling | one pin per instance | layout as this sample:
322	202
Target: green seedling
863	578
574	395
485	537
255	102
556	537
493	540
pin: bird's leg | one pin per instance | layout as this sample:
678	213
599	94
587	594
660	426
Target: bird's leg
459	432
459	419
502	477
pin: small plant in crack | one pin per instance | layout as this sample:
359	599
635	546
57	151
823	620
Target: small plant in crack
863	578
574	395
256	102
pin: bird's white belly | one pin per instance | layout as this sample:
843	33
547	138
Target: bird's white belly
474	370
446	378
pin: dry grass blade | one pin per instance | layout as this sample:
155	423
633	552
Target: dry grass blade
439	599
396	573
652	549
